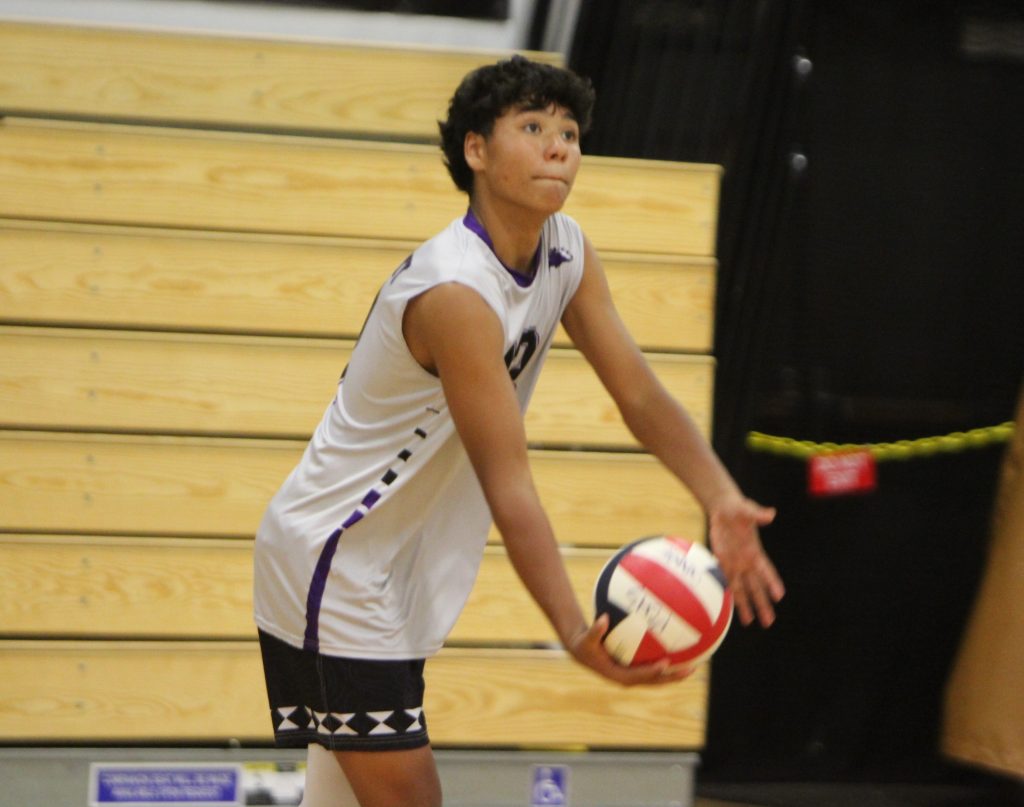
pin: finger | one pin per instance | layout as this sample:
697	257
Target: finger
763	606
758	513
598	629
674	674
766	576
660	672
742	602
589	647
776	588
765	515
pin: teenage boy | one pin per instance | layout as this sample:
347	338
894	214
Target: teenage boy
366	555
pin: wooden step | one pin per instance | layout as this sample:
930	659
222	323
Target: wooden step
212	487
189	692
208	80
162	177
105	587
57	378
127	277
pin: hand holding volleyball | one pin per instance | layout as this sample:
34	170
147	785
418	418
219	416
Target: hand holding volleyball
588	648
666	601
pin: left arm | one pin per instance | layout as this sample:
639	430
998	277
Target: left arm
665	429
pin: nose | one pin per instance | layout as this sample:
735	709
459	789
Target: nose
557	147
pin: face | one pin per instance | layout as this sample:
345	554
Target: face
529	160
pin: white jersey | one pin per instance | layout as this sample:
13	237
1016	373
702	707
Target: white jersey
372	544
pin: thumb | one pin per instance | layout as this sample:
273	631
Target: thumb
588	636
599	628
764	515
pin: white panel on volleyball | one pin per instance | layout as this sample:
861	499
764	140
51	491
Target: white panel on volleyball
690	568
645	613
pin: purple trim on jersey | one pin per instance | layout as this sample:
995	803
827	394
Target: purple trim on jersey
353	519
522	280
311	641
318	585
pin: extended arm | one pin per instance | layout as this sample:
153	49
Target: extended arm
452	332
665	429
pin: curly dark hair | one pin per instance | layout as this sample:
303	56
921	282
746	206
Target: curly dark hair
488	92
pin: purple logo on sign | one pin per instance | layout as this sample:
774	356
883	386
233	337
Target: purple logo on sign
550	786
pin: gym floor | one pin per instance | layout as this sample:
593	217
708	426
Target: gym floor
985	792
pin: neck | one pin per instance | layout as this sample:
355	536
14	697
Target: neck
514	238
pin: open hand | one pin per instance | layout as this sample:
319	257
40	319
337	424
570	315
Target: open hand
753	580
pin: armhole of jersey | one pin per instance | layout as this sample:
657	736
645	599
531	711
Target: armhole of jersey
419	293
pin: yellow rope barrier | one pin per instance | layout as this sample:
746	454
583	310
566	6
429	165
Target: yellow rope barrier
952	443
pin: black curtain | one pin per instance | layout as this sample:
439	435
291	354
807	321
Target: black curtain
716	82
870	288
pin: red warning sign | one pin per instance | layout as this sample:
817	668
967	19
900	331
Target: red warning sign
841	473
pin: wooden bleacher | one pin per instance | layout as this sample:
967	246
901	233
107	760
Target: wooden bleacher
191	231
226	82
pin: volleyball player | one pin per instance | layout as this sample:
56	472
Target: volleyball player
367	553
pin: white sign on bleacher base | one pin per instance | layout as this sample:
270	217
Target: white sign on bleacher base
131	784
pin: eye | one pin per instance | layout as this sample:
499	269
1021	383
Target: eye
571	135
531	126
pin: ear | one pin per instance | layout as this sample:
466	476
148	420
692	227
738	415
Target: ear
475	150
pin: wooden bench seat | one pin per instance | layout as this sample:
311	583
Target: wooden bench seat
144	587
98	484
308	186
208	691
204	80
210	384
130	277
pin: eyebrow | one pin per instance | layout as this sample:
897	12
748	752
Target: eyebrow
540	106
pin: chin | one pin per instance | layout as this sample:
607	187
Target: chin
556	203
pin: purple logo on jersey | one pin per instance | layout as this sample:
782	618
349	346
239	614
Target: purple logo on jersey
557	256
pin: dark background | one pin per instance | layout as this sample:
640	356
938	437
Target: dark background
871	288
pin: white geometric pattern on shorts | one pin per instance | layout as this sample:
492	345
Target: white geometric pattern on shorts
354	724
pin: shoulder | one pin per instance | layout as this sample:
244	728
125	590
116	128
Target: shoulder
455	256
444	250
447	256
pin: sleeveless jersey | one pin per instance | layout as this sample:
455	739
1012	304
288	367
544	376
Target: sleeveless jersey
372	544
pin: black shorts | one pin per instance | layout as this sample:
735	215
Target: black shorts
343	704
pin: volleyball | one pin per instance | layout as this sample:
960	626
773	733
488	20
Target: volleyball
665	597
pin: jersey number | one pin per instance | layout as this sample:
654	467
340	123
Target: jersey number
519	355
